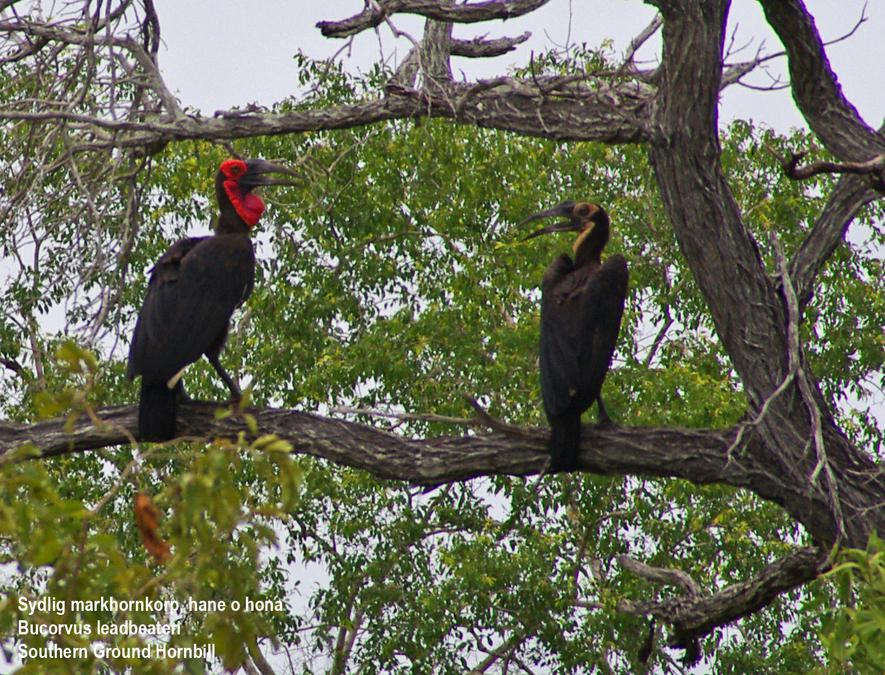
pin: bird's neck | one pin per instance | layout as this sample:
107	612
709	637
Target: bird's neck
587	252
230	223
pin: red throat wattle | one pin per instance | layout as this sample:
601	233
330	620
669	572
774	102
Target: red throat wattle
247	205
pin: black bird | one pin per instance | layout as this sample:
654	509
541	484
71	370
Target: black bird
194	288
581	306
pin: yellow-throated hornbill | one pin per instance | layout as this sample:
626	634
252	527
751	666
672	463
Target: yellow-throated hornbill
194	288
581	306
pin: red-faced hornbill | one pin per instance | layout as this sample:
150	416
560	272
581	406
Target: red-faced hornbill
581	306
193	290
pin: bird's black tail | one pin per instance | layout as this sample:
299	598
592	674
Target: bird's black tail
565	439
156	412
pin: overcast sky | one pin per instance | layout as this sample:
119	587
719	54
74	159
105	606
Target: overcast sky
223	53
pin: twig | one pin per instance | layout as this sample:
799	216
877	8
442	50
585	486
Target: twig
874	166
483	418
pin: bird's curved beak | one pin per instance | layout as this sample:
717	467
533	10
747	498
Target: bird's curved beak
563	210
256	170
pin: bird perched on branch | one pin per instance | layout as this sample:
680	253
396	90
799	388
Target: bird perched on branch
582	301
194	289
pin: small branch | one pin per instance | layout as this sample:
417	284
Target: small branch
874	166
487	420
637	42
13	365
482	48
659	338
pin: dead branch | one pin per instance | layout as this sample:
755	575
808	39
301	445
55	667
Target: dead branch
874	166
377	10
480	47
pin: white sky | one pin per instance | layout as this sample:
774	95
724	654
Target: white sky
223	53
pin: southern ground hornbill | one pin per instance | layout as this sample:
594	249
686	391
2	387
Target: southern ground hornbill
193	290
581	306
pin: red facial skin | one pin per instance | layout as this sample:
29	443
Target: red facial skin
247	205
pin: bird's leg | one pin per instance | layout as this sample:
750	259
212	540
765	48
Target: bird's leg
228	380
604	419
181	393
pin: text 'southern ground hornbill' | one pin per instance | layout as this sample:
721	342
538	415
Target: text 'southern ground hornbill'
194	288
581	306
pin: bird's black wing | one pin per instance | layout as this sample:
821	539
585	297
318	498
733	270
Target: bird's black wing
559	356
194	289
580	320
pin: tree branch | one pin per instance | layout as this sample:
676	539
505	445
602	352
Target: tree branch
697	455
874	166
377	10
693	617
614	114
815	88
482	47
849	196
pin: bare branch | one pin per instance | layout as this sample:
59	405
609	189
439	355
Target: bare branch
661	575
874	167
375	13
806	389
616	451
636	43
694	617
481	47
815	87
849	196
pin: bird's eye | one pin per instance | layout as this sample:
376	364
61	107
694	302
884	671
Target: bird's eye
583	210
236	170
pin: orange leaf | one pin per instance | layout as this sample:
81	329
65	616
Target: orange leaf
147	518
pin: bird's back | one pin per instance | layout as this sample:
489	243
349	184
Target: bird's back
581	314
194	288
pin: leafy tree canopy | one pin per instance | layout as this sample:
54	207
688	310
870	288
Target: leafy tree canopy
394	278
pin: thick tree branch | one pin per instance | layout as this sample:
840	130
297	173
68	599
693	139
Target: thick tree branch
849	196
615	114
698	455
748	309
377	10
694	616
815	88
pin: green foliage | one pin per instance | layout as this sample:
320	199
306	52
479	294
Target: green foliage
394	276
853	633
